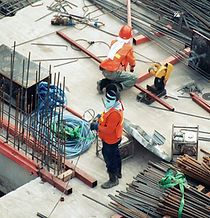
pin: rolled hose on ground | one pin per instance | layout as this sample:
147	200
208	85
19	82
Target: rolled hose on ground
57	98
78	145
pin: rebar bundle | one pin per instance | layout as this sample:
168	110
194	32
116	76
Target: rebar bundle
146	26
10	7
191	14
194	169
144	197
37	141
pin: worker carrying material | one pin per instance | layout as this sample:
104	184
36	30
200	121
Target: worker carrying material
110	130
114	66
161	73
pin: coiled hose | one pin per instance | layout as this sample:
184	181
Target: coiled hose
80	139
77	131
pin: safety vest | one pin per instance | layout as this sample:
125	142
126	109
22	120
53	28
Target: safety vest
114	136
121	59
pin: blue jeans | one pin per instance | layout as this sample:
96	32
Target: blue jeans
112	156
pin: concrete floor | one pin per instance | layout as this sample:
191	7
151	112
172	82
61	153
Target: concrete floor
81	78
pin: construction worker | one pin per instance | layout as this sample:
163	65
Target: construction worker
110	130
114	66
161	73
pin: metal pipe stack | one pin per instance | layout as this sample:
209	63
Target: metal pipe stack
191	14
146	25
194	169
184	17
144	198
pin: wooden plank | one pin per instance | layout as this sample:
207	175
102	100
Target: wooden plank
59	184
65	176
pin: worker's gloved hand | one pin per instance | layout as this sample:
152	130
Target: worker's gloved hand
94	126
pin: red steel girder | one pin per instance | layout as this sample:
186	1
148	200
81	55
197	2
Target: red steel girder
73	112
33	167
19	158
201	102
78	46
80	174
129	13
155	97
28	140
46	176
142	39
172	59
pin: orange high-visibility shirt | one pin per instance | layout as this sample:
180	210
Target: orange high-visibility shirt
122	58
110	127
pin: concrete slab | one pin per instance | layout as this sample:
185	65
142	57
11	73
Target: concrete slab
81	77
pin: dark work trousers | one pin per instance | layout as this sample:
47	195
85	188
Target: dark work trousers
112	156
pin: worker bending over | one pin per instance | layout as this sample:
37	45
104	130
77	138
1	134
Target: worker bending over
110	130
114	66
161	73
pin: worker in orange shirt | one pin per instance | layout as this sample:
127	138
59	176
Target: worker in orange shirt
114	66
110	130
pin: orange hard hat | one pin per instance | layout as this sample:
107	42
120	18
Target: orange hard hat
126	32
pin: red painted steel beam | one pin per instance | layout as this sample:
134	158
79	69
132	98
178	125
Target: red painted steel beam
172	59
78	46
59	184
201	102
33	167
28	140
82	175
155	97
201	99
19	158
73	112
142	39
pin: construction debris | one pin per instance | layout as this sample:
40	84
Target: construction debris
150	143
190	87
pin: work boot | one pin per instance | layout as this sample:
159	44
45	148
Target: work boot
113	181
99	88
119	169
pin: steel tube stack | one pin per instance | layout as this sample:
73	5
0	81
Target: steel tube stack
194	169
144	198
187	15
